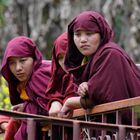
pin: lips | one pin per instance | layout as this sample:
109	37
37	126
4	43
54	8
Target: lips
20	75
84	46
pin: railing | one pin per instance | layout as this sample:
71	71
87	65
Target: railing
107	131
132	105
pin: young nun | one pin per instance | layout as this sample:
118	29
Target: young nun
27	76
102	69
61	86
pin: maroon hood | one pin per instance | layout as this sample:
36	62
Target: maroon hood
36	85
19	46
91	21
60	46
61	84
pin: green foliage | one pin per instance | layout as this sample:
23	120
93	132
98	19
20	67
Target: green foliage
3	6
1	136
1	16
4	94
4	2
137	111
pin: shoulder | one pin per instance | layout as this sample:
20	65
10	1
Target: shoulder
45	65
112	49
44	70
109	53
47	62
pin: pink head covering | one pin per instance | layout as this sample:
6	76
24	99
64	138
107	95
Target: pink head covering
36	85
60	46
83	23
61	84
91	21
19	47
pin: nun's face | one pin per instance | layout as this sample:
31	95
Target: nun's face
87	42
21	67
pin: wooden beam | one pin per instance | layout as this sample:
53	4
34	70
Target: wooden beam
107	107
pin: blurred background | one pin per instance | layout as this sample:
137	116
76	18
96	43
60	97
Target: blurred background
44	20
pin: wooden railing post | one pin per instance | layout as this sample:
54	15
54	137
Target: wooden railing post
122	133
31	129
76	130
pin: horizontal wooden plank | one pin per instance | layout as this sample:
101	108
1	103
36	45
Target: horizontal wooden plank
107	107
68	122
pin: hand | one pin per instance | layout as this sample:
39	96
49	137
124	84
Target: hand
55	108
4	125
66	112
83	89
68	107
18	107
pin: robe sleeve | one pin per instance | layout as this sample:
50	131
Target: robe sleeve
65	90
86	102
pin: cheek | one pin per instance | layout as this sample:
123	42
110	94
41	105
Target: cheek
29	68
76	41
95	41
11	68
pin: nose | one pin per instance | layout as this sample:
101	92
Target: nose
83	38
18	66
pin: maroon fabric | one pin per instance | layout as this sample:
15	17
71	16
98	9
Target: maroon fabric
61	85
37	83
82	23
11	129
110	72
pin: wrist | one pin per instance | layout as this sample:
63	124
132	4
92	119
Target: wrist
55	103
3	125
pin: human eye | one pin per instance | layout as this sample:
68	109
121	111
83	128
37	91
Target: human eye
77	33
11	62
89	33
23	60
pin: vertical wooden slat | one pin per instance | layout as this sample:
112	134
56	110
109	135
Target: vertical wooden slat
122	133
31	129
76	130
104	120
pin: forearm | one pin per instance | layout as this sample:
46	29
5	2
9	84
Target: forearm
68	107
73	103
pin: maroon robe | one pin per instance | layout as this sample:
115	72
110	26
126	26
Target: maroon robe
35	86
110	72
61	85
